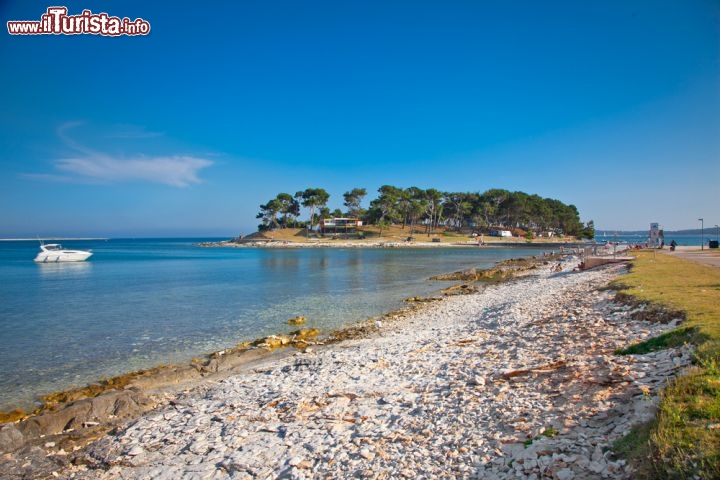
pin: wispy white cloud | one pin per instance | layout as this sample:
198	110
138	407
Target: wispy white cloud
178	171
93	166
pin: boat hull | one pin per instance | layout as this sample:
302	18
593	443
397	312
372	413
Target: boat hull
62	256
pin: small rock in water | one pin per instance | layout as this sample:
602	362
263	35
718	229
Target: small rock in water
299	320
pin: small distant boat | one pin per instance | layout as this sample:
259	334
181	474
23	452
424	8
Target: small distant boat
54	252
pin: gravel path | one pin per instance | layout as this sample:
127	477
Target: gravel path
518	381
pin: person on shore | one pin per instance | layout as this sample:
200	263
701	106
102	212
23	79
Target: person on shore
673	244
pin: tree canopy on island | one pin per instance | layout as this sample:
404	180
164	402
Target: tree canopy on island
494	208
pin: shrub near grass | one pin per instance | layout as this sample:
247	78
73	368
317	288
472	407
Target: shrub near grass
684	441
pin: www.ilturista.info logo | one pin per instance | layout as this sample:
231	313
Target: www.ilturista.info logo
57	22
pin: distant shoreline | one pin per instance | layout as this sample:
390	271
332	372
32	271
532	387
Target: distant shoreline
384	244
62	239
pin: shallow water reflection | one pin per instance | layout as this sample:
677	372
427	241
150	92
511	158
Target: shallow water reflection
64	269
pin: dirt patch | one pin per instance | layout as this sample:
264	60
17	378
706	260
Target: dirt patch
649	312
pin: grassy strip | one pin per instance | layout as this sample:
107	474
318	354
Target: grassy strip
684	439
672	339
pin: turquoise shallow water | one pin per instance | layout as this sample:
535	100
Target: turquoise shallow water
140	303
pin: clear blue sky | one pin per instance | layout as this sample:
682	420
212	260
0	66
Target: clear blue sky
612	106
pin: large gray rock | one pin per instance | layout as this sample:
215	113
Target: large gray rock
11	438
30	462
108	408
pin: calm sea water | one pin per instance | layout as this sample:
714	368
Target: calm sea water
684	240
139	303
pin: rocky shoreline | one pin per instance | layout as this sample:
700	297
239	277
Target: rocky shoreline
516	381
339	243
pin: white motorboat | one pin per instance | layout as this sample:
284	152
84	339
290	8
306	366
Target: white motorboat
54	252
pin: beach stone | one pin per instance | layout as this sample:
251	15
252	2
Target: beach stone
110	407
597	466
295	461
366	454
31	462
565	474
136	450
11	438
298	320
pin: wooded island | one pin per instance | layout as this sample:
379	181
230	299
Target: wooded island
430	209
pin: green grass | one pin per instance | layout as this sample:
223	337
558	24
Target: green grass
684	439
549	432
673	338
636	446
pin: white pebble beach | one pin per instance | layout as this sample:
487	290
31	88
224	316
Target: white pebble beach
519	380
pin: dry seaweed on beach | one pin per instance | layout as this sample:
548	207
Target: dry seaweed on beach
422	299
